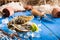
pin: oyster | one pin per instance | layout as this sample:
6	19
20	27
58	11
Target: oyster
20	23
22	19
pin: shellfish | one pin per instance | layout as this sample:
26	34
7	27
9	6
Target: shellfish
20	23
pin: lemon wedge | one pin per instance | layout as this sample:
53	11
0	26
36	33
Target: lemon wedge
34	27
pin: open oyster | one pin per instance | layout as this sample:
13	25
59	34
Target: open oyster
20	23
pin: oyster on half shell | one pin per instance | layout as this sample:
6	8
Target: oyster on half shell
20	23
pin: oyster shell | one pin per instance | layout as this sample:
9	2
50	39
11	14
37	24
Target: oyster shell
22	28
20	23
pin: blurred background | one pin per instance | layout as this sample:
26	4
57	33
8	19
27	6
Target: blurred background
31	2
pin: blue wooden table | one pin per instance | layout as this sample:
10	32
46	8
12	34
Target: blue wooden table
47	30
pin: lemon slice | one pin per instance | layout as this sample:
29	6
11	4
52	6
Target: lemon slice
34	27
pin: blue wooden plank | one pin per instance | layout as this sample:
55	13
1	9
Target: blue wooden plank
54	27
57	20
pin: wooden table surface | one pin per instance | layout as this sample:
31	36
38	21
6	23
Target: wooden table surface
49	30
